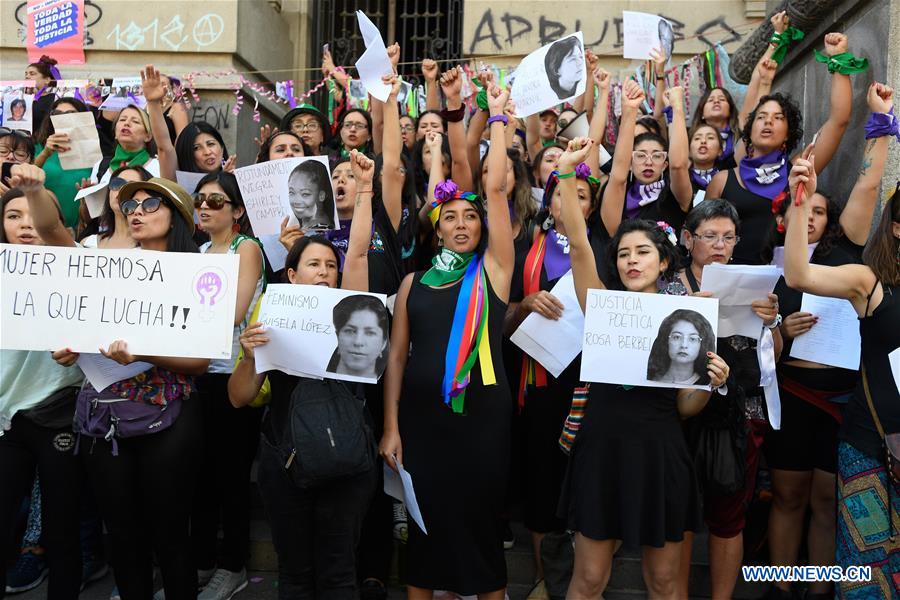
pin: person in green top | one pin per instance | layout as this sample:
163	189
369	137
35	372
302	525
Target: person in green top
48	145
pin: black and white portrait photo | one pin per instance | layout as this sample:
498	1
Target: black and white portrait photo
678	354
564	64
311	196
361	326
666	38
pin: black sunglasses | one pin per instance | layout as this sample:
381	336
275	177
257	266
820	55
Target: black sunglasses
149	205
214	201
116	183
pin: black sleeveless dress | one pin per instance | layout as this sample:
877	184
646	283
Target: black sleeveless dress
459	462
630	476
757	221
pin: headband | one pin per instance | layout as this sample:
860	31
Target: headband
446	191
582	171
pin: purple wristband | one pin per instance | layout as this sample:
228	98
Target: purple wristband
882	124
501	118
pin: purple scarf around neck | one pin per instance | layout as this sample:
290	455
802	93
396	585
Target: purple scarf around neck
766	175
702	177
639	195
556	258
341	239
727	142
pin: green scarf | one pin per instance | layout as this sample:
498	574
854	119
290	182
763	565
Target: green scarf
447	267
843	63
783	40
132	159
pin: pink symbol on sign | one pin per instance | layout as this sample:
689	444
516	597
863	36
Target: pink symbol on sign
209	286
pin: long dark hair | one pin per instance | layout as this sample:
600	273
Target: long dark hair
883	249
264	148
655	234
228	182
732	110
8	197
792	114
106	224
659	361
181	237
184	145
46	127
45	66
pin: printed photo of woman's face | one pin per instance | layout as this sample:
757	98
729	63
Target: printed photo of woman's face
684	343
361	342
304	194
571	70
17	110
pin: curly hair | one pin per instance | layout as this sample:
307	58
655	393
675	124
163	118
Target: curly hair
791	112
659	361
667	251
830	236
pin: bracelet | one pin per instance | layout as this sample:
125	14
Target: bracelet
499	119
481	99
775	324
882	124
565	175
454	116
781	41
660	77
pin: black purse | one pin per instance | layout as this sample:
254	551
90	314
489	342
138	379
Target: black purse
719	443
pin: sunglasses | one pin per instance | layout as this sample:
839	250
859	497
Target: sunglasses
149	205
214	201
116	183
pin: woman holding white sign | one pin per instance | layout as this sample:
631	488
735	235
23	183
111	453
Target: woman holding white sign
316	530
868	471
440	381
133	473
630	476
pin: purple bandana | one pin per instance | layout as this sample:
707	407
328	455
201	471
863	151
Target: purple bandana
765	176
882	124
702	177
556	258
340	238
727	142
639	195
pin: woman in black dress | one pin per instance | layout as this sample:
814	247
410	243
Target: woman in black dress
454	417
630	476
868	497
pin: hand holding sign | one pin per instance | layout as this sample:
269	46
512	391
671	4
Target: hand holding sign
767	309
65	357
391	448
717	370
289	234
58	142
118	351
253	337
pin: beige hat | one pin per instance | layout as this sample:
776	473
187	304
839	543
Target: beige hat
170	190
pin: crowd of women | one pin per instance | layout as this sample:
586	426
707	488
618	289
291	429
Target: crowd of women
442	212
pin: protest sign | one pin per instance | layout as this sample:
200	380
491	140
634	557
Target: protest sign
550	75
374	62
189	180
736	287
123	92
84	141
17	109
319	331
651	340
643	32
160	303
55	28
834	340
577	127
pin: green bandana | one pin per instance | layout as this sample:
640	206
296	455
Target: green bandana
843	63
132	159
447	267
783	40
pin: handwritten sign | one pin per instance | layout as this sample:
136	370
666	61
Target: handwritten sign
645	32
55	28
160	303
550	75
648	339
316	331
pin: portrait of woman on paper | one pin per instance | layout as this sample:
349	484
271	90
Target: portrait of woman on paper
678	354
17	110
564	64
311	197
361	326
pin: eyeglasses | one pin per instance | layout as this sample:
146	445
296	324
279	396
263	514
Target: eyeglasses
304	127
658	157
679	338
116	183
214	201
149	205
710	238
407	128
18	154
351	125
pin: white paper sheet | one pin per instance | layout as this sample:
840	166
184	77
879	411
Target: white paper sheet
778	255
189	180
102	372
374	62
400	486
83	140
554	344
94	196
894	358
644	32
834	340
736	287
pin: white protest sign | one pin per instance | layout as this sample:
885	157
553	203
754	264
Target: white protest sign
651	340
17	110
160	303
189	180
550	75
319	331
834	340
102	372
122	92
643	32
374	62
736	287
84	141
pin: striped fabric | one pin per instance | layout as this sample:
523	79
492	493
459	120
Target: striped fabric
573	421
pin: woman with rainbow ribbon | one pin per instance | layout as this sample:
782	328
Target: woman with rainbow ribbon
454	419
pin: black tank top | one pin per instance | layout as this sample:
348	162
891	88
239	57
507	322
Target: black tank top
880	335
757	220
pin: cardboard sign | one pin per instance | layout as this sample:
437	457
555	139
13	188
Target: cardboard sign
550	75
55	28
650	340
317	331
160	303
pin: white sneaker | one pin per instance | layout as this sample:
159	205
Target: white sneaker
204	576
224	584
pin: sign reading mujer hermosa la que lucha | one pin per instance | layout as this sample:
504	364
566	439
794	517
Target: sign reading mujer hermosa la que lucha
160	303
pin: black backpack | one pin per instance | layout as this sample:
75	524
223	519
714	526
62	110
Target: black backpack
327	436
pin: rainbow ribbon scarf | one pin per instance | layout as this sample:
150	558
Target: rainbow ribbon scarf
469	337
532	371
